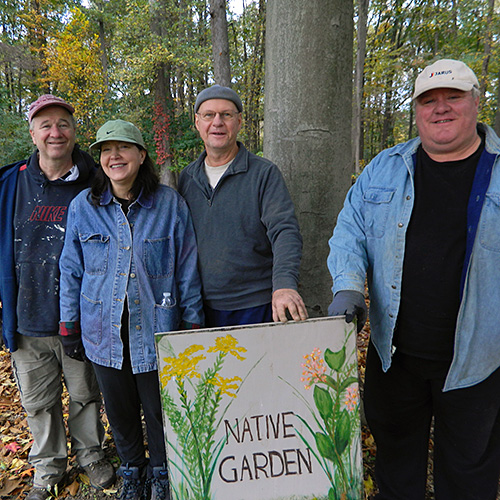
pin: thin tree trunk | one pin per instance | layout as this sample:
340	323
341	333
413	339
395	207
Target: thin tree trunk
487	49
363	6
220	43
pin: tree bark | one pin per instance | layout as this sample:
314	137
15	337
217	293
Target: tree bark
162	93
487	48
220	43
307	122
363	6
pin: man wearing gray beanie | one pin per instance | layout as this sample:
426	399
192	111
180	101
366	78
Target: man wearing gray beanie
249	242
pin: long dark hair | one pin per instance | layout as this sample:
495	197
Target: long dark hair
147	180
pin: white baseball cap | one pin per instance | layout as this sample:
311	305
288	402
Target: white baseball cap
445	73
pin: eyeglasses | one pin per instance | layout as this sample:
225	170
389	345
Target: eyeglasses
225	116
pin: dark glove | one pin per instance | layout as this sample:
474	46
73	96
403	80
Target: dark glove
351	304
71	338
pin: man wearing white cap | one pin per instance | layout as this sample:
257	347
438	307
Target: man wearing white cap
34	197
423	222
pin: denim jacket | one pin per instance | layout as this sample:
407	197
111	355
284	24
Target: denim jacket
369	240
145	256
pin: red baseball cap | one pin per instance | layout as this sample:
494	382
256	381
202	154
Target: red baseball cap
45	101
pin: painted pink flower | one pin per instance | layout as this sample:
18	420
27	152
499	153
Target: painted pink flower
314	369
351	398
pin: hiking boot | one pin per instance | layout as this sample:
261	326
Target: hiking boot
133	483
38	494
160	487
101	474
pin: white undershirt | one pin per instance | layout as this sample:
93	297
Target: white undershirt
215	173
71	175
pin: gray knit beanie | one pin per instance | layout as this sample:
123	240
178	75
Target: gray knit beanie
218	92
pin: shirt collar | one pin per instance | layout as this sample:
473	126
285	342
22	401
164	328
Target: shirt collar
143	200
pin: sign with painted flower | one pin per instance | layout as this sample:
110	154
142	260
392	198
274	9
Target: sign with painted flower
262	412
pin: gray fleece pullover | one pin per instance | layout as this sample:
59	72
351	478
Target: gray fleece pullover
249	242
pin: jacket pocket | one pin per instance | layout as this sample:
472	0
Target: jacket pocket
159	257
91	320
489	226
377	202
166	318
95	248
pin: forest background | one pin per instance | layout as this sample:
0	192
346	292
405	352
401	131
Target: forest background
146	60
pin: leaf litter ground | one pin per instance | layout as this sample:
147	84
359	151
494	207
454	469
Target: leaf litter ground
16	473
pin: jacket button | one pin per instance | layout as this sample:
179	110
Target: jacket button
137	327
400	224
126	248
137	301
393	287
132	275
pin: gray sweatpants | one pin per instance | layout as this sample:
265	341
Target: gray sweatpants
40	366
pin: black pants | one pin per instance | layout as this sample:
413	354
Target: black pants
399	407
123	394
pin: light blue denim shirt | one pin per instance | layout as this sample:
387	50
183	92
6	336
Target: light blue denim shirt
369	240
107	256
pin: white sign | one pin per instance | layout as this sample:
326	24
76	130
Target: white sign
262	412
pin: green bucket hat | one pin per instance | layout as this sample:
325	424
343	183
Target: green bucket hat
118	130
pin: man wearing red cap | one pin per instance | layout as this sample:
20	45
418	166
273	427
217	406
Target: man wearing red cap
34	197
423	223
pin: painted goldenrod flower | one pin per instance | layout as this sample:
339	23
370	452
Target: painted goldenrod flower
228	345
314	369
226	385
183	366
351	398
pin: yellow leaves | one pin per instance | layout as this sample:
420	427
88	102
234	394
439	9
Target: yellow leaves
73	61
369	486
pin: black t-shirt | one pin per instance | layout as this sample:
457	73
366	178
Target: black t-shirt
434	256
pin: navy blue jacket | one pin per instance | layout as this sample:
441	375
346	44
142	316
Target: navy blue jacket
9	176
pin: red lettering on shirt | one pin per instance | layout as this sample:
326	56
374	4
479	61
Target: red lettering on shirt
48	213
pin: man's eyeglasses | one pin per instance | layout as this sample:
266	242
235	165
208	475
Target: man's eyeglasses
225	116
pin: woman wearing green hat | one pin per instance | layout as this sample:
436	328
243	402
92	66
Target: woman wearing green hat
128	271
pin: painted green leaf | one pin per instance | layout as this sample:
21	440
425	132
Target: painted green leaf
331	382
342	432
332	494
347	382
324	445
323	401
335	360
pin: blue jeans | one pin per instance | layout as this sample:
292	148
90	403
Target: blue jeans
249	316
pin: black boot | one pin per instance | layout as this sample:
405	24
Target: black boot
159	485
133	483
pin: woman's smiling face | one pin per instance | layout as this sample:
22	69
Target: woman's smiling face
121	162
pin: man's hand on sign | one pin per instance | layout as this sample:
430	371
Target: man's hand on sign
288	299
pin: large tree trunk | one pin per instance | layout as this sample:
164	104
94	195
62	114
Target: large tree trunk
220	43
307	122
